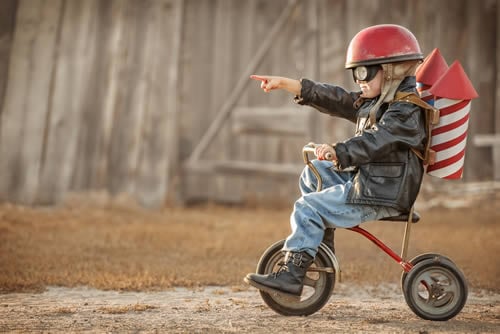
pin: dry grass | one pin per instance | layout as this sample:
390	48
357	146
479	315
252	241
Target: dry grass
122	247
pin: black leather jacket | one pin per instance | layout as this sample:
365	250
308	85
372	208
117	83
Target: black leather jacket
388	172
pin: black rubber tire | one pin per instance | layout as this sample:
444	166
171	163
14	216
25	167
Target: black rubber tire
418	259
317	288
435	289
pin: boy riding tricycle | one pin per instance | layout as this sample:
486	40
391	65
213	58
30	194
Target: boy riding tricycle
375	175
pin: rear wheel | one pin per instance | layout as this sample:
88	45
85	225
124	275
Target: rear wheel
435	289
318	284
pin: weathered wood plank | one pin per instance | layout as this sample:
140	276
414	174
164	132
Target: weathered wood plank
70	82
27	99
173	105
226	77
130	98
196	75
8	9
481	22
160	128
333	40
90	171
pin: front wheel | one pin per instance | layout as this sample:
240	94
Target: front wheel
318	283
418	259
435	289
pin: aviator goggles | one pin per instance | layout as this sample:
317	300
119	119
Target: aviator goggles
365	73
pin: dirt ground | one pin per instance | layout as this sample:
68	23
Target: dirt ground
352	309
86	266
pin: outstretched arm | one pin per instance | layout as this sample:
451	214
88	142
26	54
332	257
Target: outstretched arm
269	83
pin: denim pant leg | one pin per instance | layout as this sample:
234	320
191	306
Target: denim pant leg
315	211
329	176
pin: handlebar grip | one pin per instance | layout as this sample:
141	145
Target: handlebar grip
311	148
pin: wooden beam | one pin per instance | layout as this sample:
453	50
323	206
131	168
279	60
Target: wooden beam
268	120
248	168
242	82
487	140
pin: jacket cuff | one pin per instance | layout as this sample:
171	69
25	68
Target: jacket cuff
343	158
305	92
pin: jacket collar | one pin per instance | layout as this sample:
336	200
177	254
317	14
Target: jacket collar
408	84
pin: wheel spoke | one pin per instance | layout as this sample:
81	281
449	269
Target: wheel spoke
448	288
427	280
447	291
442	300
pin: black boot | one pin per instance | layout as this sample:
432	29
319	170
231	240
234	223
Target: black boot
289	279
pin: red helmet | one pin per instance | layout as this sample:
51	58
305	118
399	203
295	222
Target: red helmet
380	44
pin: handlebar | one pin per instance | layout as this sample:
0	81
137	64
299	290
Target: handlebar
311	148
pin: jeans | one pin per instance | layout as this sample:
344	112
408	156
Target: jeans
314	211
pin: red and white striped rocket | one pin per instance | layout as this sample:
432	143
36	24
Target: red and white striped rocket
453	93
433	67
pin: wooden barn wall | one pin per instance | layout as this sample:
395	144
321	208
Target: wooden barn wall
90	92
115	95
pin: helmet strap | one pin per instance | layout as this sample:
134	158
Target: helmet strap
394	73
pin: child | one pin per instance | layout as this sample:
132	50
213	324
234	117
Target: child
373	175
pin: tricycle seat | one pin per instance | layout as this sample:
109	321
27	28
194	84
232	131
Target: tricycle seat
403	218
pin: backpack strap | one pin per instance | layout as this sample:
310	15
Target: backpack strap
431	119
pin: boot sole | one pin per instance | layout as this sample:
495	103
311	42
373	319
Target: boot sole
270	290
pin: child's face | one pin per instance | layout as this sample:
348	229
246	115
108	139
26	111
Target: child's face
373	87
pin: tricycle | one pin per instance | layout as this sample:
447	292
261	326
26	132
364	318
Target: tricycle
433	286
